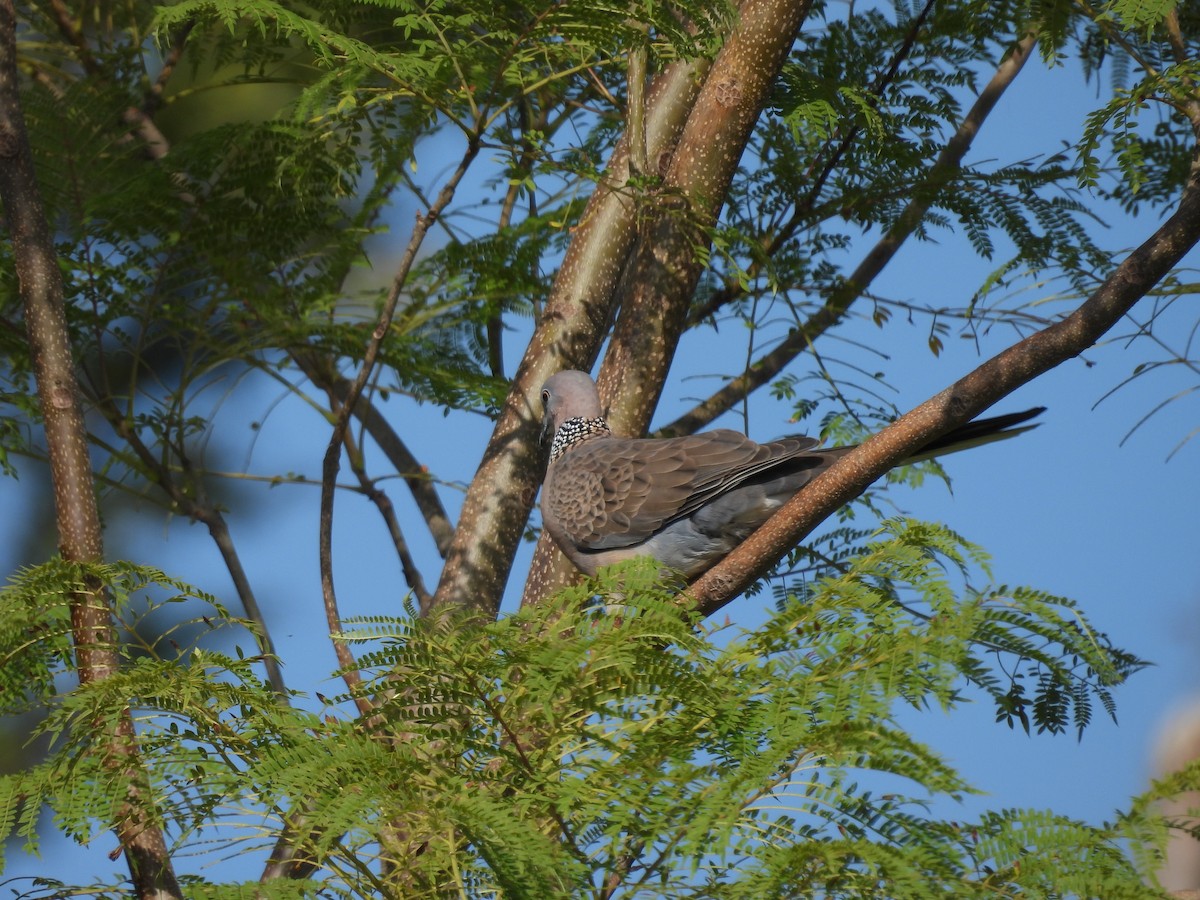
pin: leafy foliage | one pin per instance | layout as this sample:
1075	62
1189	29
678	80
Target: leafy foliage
241	247
569	747
1138	15
565	750
35	645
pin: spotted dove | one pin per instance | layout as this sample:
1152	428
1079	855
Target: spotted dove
685	501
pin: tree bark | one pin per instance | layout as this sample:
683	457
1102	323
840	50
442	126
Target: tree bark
76	513
576	318
662	273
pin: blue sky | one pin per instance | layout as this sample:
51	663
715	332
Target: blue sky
1067	508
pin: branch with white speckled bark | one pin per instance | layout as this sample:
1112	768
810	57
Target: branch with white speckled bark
77	515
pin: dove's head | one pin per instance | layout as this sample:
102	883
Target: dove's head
568	395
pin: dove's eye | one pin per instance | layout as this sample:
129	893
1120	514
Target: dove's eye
545	397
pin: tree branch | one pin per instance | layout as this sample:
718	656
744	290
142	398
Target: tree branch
941	173
154	95
805	205
383	503
320	372
77	516
957	404
1191	105
139	118
569	334
661	276
333	452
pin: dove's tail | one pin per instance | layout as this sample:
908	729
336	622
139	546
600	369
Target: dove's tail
979	432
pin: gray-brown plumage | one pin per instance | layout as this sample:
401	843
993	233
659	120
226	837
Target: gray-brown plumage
685	501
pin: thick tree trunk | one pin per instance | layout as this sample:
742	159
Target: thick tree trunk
575	321
662	273
76	513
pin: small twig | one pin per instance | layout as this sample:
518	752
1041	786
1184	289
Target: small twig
333	452
412	575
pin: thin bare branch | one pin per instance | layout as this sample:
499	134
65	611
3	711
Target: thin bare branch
333	452
959	403
841	298
383	503
321	374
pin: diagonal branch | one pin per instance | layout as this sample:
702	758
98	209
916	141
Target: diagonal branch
195	506
77	515
960	402
941	173
568	335
140	119
661	276
154	94
333	452
321	373
805	205
383	503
